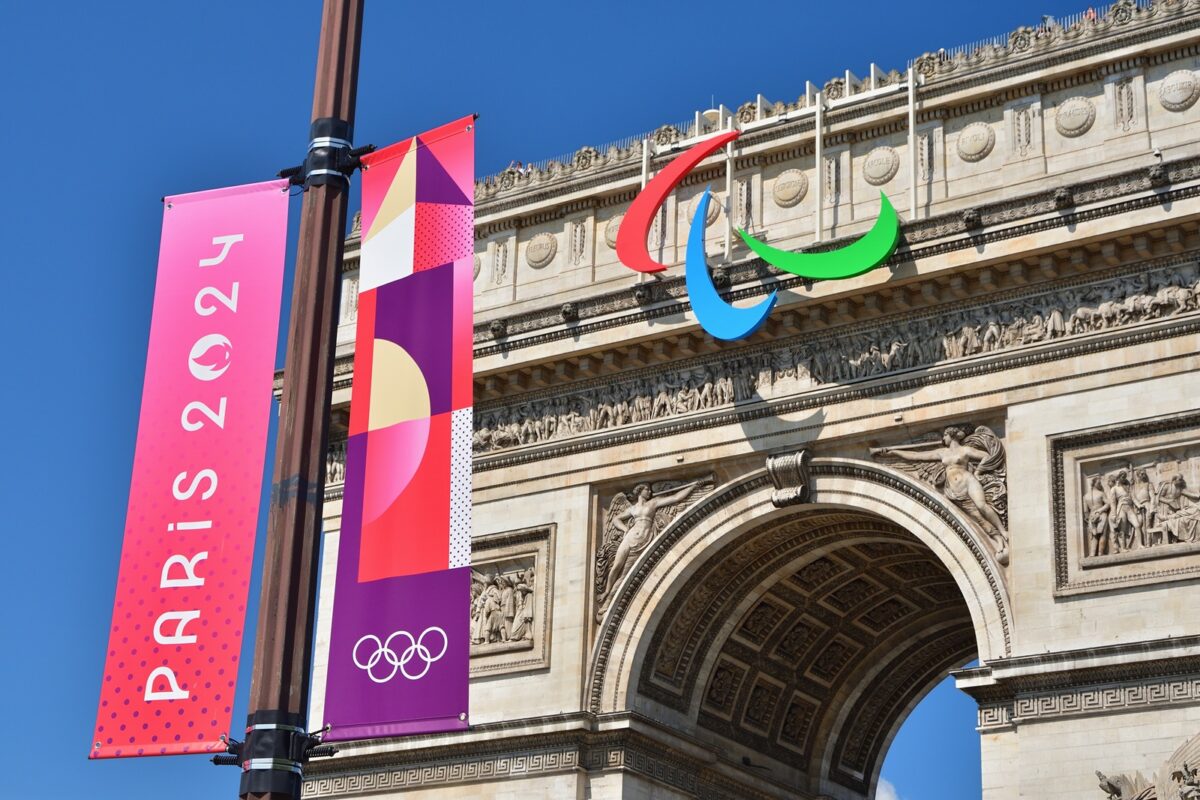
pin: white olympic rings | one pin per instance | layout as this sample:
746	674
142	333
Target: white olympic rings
383	652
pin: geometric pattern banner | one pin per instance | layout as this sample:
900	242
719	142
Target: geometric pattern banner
401	604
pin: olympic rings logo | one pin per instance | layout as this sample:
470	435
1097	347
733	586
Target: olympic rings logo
384	653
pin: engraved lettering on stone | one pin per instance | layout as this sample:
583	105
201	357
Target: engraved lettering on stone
632	521
541	250
969	470
976	141
1179	90
881	165
1074	117
610	230
790	188
1143	505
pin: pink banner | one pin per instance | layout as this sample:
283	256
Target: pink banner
180	605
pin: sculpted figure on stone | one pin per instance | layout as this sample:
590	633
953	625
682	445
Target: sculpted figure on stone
969	470
855	354
631	522
1154	509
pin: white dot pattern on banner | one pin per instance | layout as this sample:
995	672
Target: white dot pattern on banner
461	429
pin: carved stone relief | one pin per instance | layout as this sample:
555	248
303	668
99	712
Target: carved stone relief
743	211
1140	506
925	156
610	230
976	141
832	179
968	465
790	188
632	521
1124	108
578	241
1022	129
754	374
541	250
715	204
1177	779
1074	117
499	263
511	576
1179	90
881	165
1127	504
478	266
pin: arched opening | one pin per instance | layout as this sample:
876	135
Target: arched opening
796	641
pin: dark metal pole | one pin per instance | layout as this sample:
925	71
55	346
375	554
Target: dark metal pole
273	750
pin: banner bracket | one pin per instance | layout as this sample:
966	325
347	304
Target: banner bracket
331	156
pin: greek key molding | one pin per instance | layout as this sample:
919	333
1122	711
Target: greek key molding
1081	701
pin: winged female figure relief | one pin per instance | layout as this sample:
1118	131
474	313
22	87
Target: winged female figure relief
969	470
632	521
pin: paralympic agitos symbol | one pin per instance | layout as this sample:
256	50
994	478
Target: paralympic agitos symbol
721	319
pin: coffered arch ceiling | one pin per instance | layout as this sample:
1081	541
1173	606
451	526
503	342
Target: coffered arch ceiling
808	640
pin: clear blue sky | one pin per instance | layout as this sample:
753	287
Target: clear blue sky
109	106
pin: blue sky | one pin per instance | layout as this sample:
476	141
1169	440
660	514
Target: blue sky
109	106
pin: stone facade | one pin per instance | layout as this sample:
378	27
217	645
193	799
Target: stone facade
741	565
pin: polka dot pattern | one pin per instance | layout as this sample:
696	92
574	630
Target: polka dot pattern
461	428
196	484
444	233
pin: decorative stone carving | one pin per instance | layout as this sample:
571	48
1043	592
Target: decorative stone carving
835	89
925	156
1177	779
789	473
976	141
1064	198
881	165
790	188
833	169
569	312
970	470
632	521
478	267
1143	506
743	213
511	574
498	328
578	241
1124	109
747	112
541	250
1179	90
610	230
1127	504
1074	117
752	374
1022	129
585	157
335	462
715	205
499	263
1126	787
666	135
